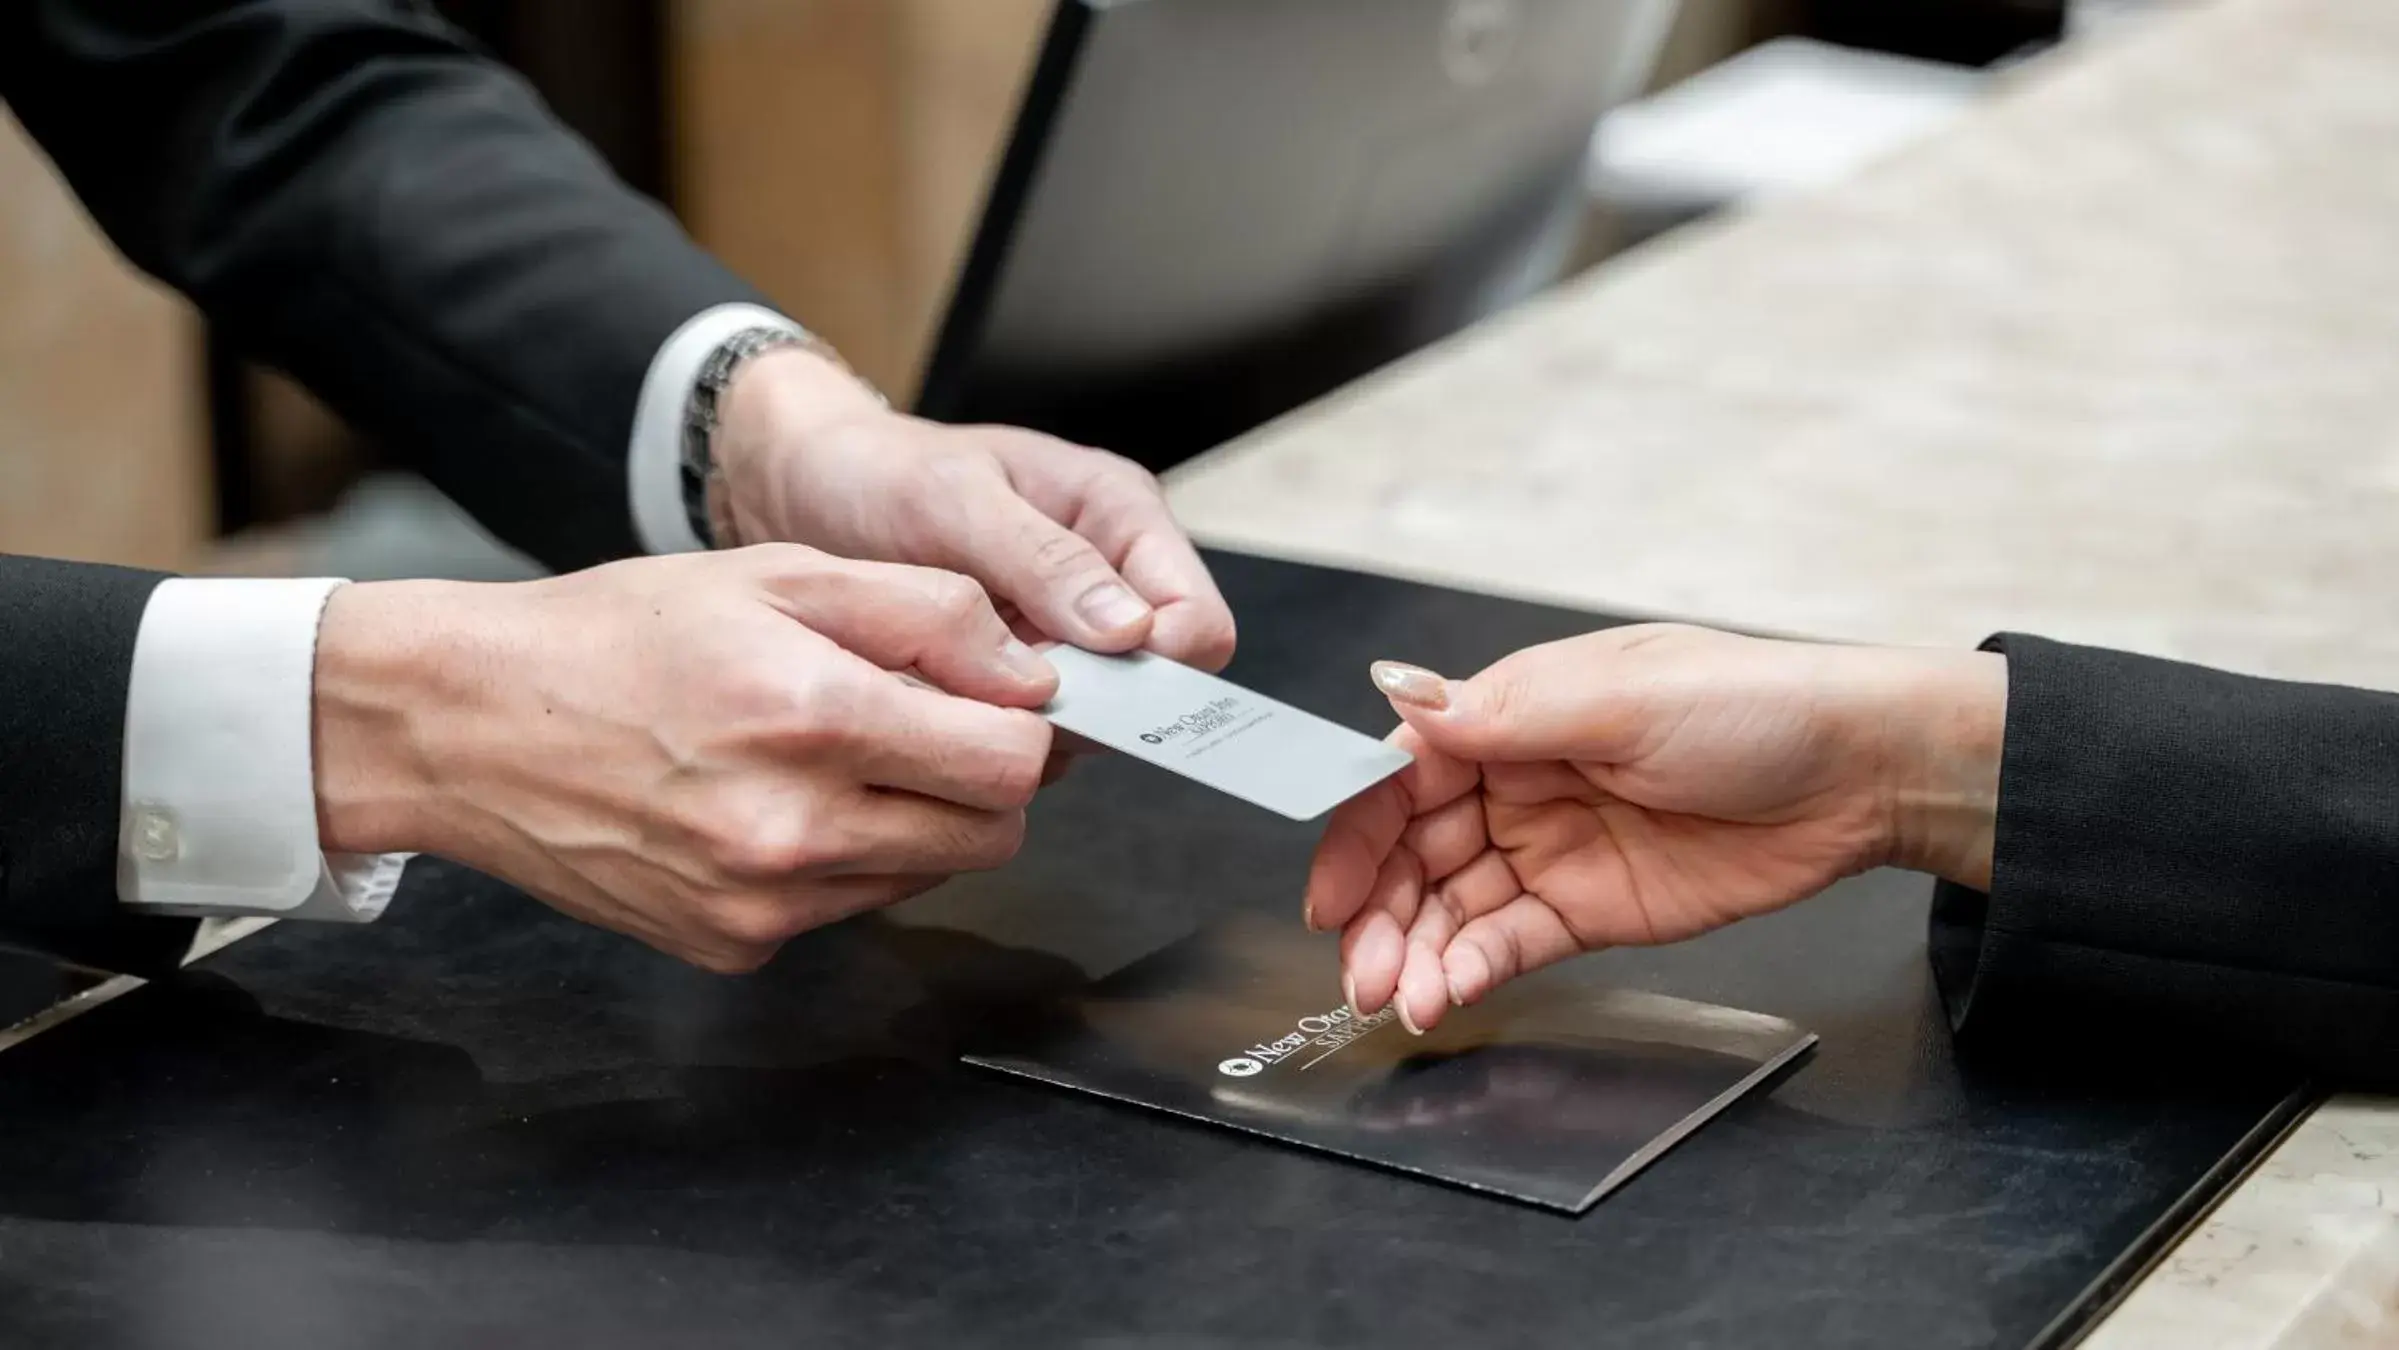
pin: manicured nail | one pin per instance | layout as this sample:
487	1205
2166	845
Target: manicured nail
1463	955
1109	606
1349	993
1023	662
1413	685
1401	1006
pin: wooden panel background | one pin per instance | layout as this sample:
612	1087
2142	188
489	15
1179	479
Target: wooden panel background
835	152
102	447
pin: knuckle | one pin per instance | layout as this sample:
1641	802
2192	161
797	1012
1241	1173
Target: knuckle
998	766
731	960
766	842
956	601
1017	780
1214	650
1063	554
1016	774
1009	839
745	688
1499	696
751	854
987	843
748	922
1589	930
1129	474
823	706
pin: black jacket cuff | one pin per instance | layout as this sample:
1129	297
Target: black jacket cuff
66	666
2185	856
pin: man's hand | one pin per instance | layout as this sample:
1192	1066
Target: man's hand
1643	785
1076	543
710	752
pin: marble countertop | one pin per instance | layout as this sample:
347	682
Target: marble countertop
2115	360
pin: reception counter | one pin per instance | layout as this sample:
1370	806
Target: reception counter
481	1123
2112	361
2116	360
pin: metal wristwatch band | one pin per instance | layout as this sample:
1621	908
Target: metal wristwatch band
700	418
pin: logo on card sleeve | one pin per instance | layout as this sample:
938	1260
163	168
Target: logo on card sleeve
1322	1034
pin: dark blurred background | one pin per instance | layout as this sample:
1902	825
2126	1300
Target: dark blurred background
834	151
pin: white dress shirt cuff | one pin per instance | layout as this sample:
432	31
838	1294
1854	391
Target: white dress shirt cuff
655	463
220	813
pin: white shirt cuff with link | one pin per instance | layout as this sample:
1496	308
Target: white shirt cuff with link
220	808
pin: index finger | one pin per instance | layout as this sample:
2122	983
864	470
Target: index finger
1194	624
1362	831
1358	836
1125	516
918	739
940	624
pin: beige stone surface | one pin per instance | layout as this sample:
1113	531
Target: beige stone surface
102	455
2304	1255
2116	360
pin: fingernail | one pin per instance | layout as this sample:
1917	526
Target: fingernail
1349	993
1400	1005
1413	685
1023	662
1455	975
1110	606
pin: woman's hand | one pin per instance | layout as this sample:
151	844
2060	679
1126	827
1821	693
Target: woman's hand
1644	785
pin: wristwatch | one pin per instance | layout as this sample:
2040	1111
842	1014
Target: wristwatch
703	506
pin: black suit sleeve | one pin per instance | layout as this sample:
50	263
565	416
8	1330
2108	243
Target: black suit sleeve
2186	857
66	658
354	195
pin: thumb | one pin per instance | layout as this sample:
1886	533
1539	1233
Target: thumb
1053	575
1522	708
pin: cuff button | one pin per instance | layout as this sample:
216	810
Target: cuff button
155	837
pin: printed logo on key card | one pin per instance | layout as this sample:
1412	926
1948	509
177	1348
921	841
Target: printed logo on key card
1214	715
1215	732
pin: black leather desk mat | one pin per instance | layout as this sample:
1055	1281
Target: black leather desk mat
478	1124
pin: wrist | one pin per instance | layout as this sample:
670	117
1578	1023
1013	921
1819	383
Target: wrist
382	648
1948	727
776	403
